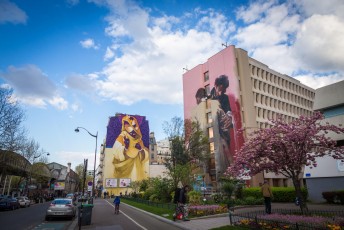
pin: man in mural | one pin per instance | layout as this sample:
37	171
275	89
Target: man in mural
130	154
224	117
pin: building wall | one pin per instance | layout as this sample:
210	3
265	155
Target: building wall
211	110
316	187
126	154
329	173
256	94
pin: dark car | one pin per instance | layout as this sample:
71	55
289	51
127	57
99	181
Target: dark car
61	207
9	203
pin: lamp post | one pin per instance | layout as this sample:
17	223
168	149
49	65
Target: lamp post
95	155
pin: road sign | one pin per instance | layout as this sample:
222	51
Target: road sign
90	183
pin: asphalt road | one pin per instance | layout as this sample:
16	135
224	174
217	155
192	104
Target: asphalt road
30	218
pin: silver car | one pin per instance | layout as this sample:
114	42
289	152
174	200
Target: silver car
24	201
61	207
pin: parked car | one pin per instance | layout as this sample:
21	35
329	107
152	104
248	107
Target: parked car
24	201
61	207
9	203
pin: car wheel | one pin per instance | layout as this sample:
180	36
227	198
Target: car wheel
46	218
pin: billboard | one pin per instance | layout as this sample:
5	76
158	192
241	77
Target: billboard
111	182
124	182
127	143
212	96
59	185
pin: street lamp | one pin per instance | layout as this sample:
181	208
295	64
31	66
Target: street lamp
95	155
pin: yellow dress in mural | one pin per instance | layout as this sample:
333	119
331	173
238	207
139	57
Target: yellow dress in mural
130	155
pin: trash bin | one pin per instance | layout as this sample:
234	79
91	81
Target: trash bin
85	214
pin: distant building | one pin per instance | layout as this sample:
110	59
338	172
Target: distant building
64	179
232	91
329	174
152	149
164	151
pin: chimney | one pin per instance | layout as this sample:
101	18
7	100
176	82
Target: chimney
69	166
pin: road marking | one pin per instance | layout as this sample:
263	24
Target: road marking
129	217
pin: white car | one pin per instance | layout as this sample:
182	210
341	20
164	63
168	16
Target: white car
23	201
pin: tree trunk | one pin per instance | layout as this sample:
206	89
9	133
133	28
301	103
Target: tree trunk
298	193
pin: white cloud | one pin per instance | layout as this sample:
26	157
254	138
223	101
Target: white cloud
254	11
33	87
151	65
10	12
319	44
109	54
89	43
292	42
316	81
59	103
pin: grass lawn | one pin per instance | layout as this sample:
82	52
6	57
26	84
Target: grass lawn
167	213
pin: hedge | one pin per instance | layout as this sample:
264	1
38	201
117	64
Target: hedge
334	197
281	194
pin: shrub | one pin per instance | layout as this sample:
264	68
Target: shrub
194	197
334	196
281	194
217	197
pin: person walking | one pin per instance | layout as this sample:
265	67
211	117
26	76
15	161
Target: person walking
117	201
267	194
183	202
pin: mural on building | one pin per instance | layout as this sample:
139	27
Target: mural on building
216	93
128	141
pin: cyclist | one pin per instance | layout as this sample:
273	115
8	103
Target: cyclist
117	201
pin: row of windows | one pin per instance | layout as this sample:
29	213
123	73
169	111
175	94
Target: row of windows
279	81
280	105
275	91
268	114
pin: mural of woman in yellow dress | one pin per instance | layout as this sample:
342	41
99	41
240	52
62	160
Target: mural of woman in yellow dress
130	155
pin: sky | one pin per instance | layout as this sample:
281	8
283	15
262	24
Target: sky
75	63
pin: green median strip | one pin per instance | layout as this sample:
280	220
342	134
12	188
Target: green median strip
164	212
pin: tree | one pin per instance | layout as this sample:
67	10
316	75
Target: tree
189	149
286	148
11	118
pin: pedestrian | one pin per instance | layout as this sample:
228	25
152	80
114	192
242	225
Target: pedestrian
117	201
267	194
183	198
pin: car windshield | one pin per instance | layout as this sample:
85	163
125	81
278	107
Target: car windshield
62	202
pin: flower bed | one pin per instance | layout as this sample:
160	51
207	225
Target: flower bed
205	210
283	221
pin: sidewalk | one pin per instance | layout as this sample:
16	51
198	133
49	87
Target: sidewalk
203	223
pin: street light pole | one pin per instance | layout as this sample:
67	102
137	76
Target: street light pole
95	155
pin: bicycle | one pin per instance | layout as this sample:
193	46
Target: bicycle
117	209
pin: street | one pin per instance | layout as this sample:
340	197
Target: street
31	218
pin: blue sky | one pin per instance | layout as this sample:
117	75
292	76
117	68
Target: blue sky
76	62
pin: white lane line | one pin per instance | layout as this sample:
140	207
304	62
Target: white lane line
129	217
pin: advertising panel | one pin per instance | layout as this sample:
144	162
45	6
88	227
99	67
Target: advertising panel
213	89
127	143
59	185
124	182
111	182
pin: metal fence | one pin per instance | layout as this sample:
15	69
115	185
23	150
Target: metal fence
256	220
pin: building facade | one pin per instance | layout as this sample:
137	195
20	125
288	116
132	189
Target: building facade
329	174
124	156
232	92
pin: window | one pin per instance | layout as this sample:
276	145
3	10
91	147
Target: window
210	132
209	118
207	89
212	147
206	76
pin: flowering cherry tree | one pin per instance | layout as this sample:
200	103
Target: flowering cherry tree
286	148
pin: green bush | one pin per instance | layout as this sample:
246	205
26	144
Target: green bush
281	194
333	197
194	197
